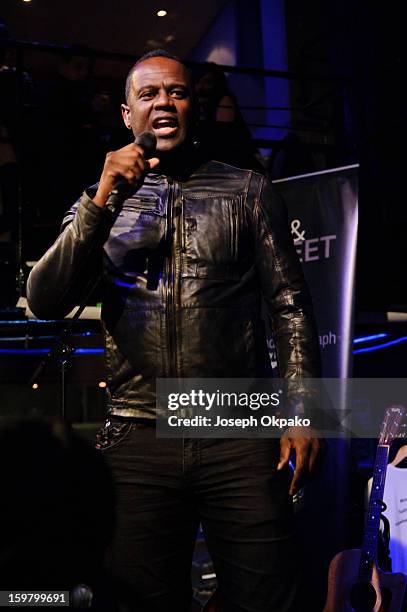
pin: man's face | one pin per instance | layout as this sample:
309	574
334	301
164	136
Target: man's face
160	102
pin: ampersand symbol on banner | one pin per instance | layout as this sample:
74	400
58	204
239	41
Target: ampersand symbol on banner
295	226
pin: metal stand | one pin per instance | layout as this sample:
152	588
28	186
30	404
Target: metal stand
62	352
65	353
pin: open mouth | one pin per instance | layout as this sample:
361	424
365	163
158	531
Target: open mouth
165	126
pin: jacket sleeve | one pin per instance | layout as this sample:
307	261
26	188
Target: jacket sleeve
287	298
61	278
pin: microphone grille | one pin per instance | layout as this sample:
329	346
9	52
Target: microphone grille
147	141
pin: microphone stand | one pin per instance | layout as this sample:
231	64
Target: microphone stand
62	352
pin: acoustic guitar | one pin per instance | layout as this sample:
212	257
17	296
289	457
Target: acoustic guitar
355	582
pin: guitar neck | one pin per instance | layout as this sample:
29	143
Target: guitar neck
369	548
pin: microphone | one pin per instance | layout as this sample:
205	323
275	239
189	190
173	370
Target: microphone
148	142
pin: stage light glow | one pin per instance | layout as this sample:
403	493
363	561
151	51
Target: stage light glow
369	338
161	13
40	351
102	384
379	347
35	385
26	0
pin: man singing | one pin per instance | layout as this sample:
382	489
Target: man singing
185	261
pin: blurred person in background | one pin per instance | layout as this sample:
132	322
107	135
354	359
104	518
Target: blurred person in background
221	129
64	119
57	510
15	121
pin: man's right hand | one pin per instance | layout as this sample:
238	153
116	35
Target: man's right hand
128	163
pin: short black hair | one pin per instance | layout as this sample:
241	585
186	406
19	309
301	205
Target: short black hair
147	56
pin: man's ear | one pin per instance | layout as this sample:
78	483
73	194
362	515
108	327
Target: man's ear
126	114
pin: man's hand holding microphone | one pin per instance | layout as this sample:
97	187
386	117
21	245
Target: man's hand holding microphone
125	170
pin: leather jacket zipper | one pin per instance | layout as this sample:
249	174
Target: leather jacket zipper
171	325
233	237
183	231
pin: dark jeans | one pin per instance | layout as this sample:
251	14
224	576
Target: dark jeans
164	487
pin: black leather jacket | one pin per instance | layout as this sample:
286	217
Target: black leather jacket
184	266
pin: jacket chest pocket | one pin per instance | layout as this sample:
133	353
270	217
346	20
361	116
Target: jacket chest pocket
210	236
138	232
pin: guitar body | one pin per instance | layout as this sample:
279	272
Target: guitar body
355	583
390	589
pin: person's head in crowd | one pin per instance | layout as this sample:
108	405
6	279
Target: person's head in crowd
57	510
3	35
75	63
215	100
7	54
210	81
